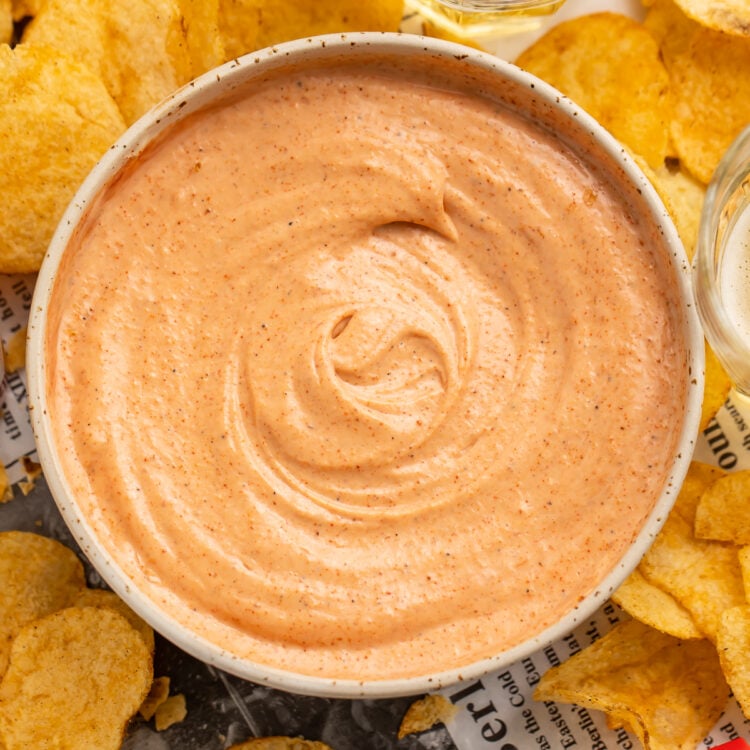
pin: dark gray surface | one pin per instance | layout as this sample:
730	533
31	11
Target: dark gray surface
222	709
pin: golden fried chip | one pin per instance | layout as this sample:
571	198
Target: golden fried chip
723	513
709	74
733	645
38	576
109	600
138	49
683	196
704	577
610	65
6	22
667	691
56	120
157	694
74	680
248	25
729	16
655	607
15	351
6	493
280	743
424	713
170	711
25	8
698	479
204	44
717	387
744	556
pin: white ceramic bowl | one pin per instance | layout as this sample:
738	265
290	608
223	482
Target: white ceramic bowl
518	90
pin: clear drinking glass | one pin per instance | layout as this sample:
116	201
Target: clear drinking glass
485	17
721	267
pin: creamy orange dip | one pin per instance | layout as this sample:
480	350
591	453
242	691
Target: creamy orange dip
361	377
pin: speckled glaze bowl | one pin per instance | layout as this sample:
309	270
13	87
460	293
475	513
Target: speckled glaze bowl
480	73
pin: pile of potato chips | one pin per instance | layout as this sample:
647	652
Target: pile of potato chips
675	90
75	73
75	662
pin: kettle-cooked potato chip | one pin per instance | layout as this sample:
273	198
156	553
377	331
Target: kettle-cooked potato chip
704	577
610	65
74	680
666	691
733	645
109	600
204	44
56	121
38	576
730	16
683	196
655	607
248	25
25	8
138	49
709	74
723	513
717	387
6	22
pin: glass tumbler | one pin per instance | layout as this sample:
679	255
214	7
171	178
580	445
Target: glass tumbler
721	266
485	17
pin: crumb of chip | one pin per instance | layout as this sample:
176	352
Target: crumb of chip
15	351
424	713
157	695
171	711
33	471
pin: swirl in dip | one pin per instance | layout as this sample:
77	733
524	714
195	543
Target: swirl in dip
362	376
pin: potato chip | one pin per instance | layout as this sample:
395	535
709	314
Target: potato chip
424	713
38	576
248	25
668	692
683	197
109	600
717	387
6	22
655	607
698	479
744	556
204	43
6	491
610	65
709	74
704	577
74	680
723	513
104	34
729	16
56	120
157	694
733	645
25	8
280	743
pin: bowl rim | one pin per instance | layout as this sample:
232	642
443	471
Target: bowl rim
192	96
